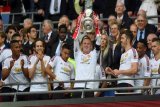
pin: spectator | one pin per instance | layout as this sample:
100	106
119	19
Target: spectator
111	19
52	9
27	23
49	36
115	45
143	31
122	17
104	9
134	30
32	37
150	27
150	8
62	37
74	9
10	31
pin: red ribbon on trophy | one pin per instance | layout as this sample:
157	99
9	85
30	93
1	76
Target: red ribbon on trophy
96	19
78	26
79	21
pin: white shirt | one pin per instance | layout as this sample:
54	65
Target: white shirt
85	68
99	75
16	74
127	59
154	68
64	71
4	53
144	70
38	77
59	47
52	11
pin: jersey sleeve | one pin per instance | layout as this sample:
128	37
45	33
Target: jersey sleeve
72	72
147	67
53	61
100	72
31	62
6	64
134	57
25	61
47	60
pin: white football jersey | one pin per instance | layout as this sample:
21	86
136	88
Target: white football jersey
16	75
127	59
85	68
64	71
144	70
38	77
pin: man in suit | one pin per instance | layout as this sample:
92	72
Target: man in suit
61	38
49	35
143	31
122	17
52	9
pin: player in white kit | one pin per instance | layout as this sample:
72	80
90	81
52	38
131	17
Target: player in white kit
144	67
128	63
62	71
155	63
37	67
15	70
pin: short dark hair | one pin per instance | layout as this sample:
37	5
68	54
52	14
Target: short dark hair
13	42
15	35
143	42
11	27
128	34
66	46
29	29
63	27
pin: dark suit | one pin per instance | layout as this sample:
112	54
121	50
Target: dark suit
151	28
145	37
45	5
51	41
27	48
107	7
71	10
126	21
116	57
69	41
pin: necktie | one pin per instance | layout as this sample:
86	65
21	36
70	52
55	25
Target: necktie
46	38
55	5
140	37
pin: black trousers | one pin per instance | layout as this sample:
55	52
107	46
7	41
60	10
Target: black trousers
9	98
60	95
124	85
79	94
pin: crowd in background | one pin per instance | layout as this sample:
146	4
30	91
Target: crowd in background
127	46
